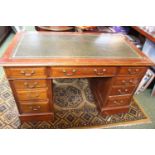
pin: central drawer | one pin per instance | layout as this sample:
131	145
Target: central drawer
34	94
67	72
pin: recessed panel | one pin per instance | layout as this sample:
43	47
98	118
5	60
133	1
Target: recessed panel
44	45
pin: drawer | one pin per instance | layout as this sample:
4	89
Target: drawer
62	72
122	90
132	71
130	80
34	94
34	107
118	101
26	72
29	84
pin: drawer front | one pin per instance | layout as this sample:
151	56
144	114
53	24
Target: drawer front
37	107
118	101
39	94
26	72
82	71
130	80
29	84
122	90
132	71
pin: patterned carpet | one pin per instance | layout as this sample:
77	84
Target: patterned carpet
74	108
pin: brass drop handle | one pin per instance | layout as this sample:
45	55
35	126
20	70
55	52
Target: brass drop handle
118	103
33	95
35	108
131	71
126	90
27	73
69	73
123	81
100	73
121	92
131	81
127	82
31	86
36	95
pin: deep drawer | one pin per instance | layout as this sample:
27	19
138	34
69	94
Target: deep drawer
29	84
129	80
35	94
122	90
34	107
118	101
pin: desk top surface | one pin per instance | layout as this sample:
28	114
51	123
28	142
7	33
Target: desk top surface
73	46
49	47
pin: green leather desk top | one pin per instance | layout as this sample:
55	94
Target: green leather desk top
43	45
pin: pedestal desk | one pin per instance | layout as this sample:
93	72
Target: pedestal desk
113	65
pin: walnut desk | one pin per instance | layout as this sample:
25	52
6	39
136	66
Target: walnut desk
113	65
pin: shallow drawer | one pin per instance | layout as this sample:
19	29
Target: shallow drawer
26	72
132	71
29	84
122	90
35	94
130	80
118	101
37	107
82	71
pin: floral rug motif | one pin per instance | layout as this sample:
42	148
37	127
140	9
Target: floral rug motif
74	108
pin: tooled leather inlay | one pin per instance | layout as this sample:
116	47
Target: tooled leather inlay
40	45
